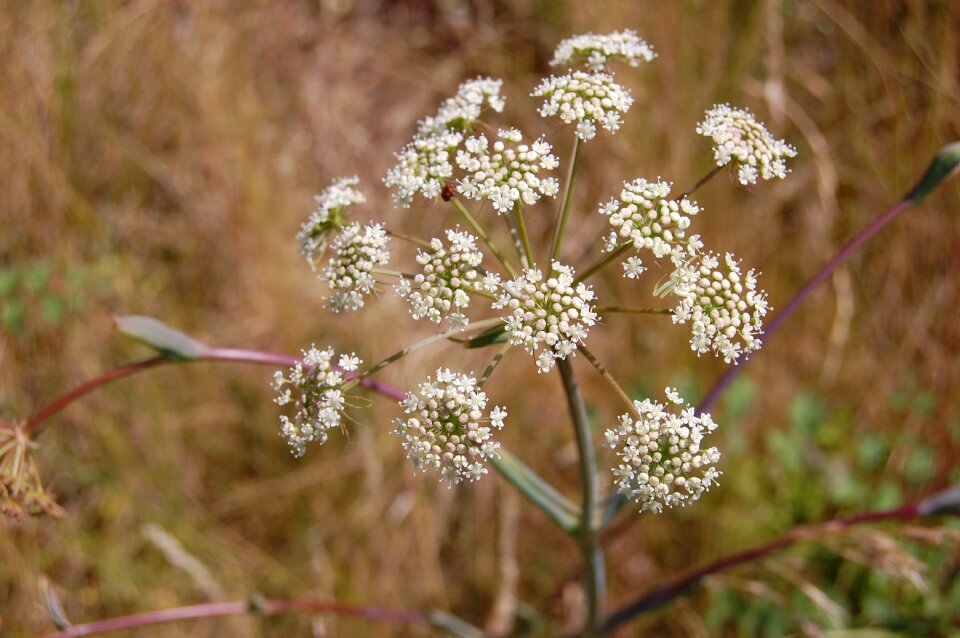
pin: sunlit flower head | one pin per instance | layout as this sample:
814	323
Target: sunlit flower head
548	317
447	427
327	218
597	51
662	461
450	275
460	112
506	172
357	251
645	215
588	99
315	388
723	306
739	138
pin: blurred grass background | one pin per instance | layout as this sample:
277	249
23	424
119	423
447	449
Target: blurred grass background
157	157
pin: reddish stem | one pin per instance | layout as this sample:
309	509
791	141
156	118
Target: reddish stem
663	594
236	608
210	354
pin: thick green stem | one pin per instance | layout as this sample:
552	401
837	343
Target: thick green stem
594	572
524	237
567	199
586	274
478	229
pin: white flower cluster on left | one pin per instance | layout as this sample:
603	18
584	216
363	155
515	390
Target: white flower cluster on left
447	429
662	461
738	137
585	98
357	251
320	398
449	277
327	218
550	316
506	173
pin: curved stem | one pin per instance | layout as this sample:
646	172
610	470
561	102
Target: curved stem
663	594
567	199
589	272
594	572
237	608
478	229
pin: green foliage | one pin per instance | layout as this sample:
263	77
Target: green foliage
36	294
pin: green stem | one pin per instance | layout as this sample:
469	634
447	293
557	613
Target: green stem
567	199
594	571
634	311
586	274
522	227
517	244
497	358
412	240
396	356
478	229
540	493
608	378
703	180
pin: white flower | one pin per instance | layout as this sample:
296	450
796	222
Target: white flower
550	316
449	277
506	173
662	461
722	305
646	216
738	137
424	165
585	98
596	51
358	250
328	217
633	267
320	396
446	429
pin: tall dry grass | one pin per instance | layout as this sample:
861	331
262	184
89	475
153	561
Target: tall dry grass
167	152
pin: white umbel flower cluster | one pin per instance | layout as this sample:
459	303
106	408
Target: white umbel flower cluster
585	98
549	317
320	399
357	251
506	172
739	138
425	164
662	461
327	218
447	430
449	277
596	51
722	305
645	216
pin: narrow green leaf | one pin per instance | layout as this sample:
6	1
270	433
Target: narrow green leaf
554	504
942	166
490	336
168	341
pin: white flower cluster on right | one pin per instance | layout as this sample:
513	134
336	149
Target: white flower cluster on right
551	315
585	98
357	251
645	216
723	306
449	277
662	461
738	137
447	430
425	164
506	174
327	218
599	50
320	399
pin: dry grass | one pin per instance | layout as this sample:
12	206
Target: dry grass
170	150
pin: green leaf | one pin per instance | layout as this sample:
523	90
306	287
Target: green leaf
942	166
168	341
490	336
561	511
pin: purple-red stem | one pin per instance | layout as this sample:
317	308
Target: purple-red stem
663	594
235	608
863	236
210	354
